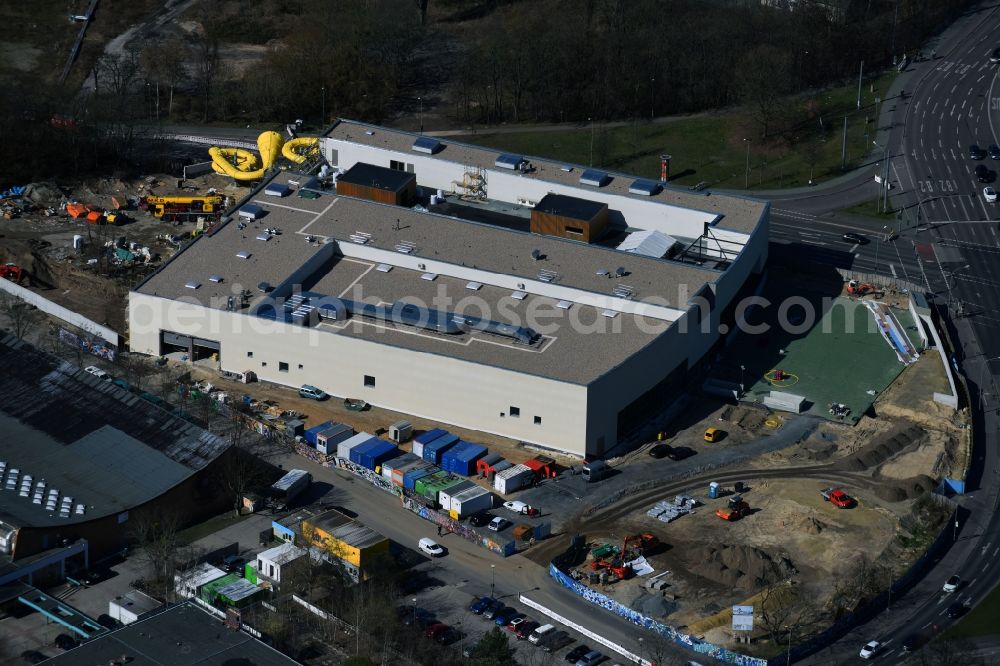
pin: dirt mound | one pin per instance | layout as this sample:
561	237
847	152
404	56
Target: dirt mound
44	194
809	525
883	447
741	567
905	489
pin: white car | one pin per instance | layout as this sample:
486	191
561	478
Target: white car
870	649
430	547
498	524
990	194
951	584
97	372
516	506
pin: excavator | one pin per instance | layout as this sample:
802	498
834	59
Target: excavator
12	272
858	288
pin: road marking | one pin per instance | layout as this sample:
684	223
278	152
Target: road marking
953	89
853	248
985	567
926	625
996	551
892	269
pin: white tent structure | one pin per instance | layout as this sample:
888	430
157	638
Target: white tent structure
649	243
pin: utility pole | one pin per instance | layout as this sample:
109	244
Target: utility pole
493	583
860	72
843	148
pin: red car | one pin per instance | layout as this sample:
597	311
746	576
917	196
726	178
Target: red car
516	623
525	628
436	630
837	497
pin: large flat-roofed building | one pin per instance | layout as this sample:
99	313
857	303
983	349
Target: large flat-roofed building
508	307
80	458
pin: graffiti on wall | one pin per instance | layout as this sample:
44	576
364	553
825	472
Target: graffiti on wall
637	618
98	348
371	477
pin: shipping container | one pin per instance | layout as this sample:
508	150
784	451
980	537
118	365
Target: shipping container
400	472
433	490
543	467
400	431
461	458
434	450
291	484
472	501
389	467
345	447
414	474
311	433
372	458
512	479
501	466
444	497
423	485
363	448
424	438
485	464
327	441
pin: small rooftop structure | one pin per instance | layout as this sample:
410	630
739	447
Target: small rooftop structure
376	183
648	243
569	217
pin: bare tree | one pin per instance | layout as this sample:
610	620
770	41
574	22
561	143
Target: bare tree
205	54
21	316
156	533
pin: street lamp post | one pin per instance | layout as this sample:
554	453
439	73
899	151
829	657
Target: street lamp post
322	106
414	600
860	72
493	583
746	180
884	191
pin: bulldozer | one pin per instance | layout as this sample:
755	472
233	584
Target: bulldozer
735	509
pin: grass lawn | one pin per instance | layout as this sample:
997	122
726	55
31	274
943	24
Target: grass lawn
711	147
870	209
981	620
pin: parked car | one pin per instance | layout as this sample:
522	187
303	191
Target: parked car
481	604
33	657
989	194
94	576
994	151
505	616
661	451
956	610
498	524
995	56
491	612
554	641
852	237
590	658
975	152
436	630
416	617
448	636
481	519
97	372
576	653
106	620
837	497
430	547
982	174
515	623
870	649
524	629
952	583
310	391
234	563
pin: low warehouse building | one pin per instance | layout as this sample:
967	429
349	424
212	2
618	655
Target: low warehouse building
344	541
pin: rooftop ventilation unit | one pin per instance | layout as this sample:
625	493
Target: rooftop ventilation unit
474	286
243	254
80	509
430	277
620	271
361	237
406	247
519	295
215	278
645	187
547	275
192	284
567	169
509	161
601	272
426	144
594	178
624	291
610	314
383	268
263	236
564	305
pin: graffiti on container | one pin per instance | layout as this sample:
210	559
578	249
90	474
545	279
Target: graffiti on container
371	477
637	618
455	527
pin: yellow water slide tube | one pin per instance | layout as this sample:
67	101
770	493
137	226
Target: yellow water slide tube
300	149
242	164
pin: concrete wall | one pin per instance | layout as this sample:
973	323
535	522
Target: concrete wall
59	312
431	386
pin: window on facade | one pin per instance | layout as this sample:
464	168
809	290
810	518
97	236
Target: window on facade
409	167
334	157
397	165
515	411
369	381
282	366
538	420
575	230
249	354
263	364
300	366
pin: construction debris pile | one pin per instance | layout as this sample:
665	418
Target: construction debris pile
667	511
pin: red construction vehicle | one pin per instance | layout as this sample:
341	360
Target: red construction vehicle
735	510
858	288
837	497
638	545
12	272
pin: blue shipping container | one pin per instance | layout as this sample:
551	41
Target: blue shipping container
315	430
434	450
378	454
430	435
360	449
411	476
461	458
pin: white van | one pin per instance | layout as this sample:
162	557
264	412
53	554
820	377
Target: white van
540	633
430	547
